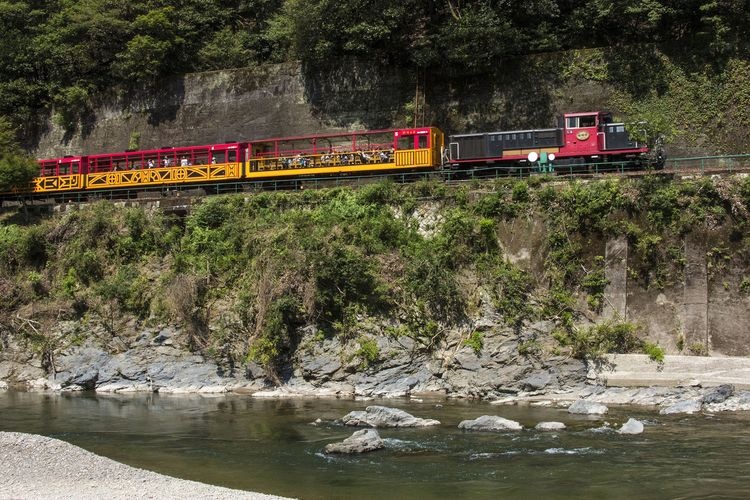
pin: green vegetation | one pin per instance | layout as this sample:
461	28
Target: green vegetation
655	353
475	341
368	351
243	274
61	56
16	168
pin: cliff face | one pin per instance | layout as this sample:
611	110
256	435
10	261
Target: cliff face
287	100
205	108
700	107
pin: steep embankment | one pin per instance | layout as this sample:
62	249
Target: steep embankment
484	290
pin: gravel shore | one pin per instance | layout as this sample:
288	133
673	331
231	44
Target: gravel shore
39	467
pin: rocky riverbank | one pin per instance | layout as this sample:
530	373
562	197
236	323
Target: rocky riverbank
40	467
156	363
159	361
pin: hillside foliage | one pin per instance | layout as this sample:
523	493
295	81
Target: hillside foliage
245	275
62	54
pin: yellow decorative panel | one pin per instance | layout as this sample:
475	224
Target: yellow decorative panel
169	175
59	183
414	158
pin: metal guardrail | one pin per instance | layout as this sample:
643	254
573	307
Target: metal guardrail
702	164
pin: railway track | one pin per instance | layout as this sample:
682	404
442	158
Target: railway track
677	168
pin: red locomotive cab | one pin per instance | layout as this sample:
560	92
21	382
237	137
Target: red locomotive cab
581	137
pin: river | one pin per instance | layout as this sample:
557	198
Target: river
271	446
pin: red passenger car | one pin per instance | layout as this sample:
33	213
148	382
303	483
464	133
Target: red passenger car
61	174
166	165
350	152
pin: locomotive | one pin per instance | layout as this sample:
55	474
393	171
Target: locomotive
581	139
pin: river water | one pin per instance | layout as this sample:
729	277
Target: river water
271	446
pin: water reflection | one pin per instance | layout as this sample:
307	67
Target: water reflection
271	446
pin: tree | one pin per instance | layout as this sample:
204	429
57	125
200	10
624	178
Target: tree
8	142
17	170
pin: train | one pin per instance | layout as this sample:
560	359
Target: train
580	139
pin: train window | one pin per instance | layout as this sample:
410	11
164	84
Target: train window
232	156
406	142
201	158
587	121
75	168
64	169
422	141
47	169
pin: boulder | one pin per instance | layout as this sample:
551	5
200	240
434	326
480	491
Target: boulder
359	442
550	426
632	426
687	406
583	407
719	394
536	381
490	423
382	416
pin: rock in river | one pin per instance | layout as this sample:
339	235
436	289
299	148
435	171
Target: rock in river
359	442
583	407
490	423
550	426
632	426
686	406
382	416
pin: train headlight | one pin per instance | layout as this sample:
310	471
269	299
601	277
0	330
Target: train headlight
533	156
551	157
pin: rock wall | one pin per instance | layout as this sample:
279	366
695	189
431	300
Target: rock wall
191	110
699	314
288	100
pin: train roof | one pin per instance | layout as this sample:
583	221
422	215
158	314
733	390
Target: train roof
327	135
504	132
221	145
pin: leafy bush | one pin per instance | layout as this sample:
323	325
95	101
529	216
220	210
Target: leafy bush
277	337
475	341
512	289
608	337
594	282
655	353
368	351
